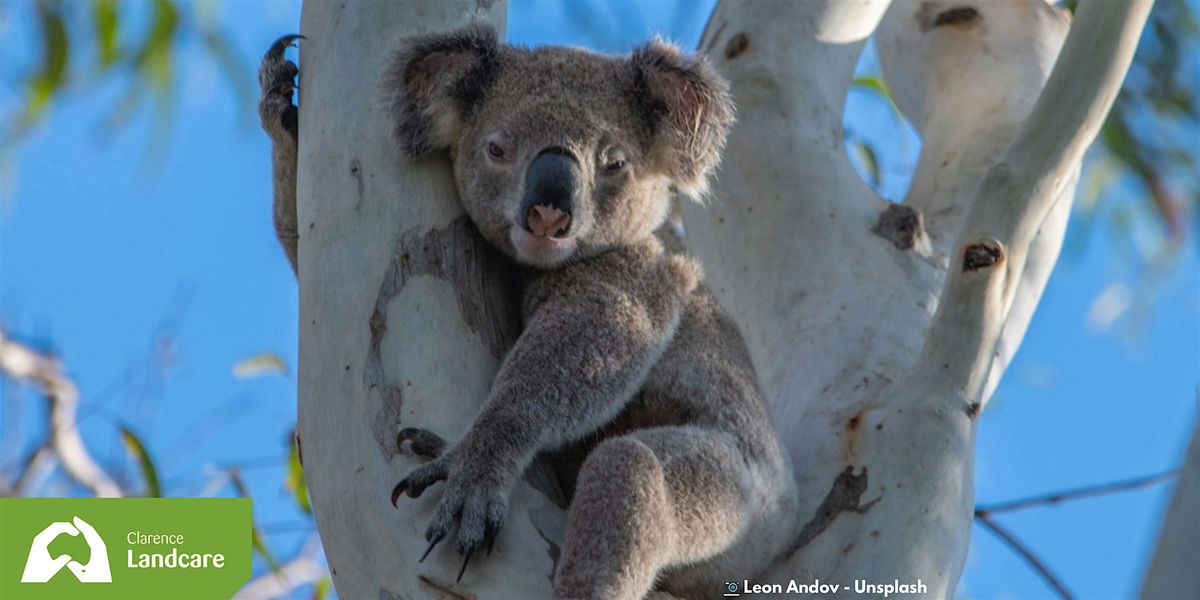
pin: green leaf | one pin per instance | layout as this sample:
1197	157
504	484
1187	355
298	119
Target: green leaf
873	83
135	447
259	546
265	363
866	155
105	20
876	84
256	540
295	480
321	590
55	54
231	66
163	25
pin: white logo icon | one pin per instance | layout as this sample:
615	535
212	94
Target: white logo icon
40	567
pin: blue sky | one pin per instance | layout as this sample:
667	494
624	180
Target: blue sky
152	282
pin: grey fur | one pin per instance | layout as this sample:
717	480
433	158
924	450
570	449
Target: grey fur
626	364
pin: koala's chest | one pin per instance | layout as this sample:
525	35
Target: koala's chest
599	280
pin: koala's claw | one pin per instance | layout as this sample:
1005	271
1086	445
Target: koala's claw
396	491
418	480
413	484
441	535
466	559
276	50
423	443
490	534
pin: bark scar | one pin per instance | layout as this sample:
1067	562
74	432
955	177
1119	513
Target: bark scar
553	550
843	496
900	225
445	589
482	282
737	45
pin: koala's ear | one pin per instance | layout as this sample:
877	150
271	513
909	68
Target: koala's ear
433	83
689	110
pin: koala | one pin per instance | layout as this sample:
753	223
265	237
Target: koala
626	366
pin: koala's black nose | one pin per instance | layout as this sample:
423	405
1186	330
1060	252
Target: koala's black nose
551	187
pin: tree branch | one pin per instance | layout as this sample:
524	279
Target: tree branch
37	466
21	362
1075	494
1025	553
1019	190
967	76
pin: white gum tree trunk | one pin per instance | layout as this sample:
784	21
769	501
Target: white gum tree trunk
404	315
877	343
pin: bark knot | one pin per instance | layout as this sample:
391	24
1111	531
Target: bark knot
963	17
900	225
981	255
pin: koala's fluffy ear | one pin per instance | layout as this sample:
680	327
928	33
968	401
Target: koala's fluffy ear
433	83
689	110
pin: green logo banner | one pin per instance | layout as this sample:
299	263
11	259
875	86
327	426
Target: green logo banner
124	547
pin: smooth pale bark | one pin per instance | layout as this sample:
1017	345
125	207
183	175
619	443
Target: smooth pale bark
402	325
1172	572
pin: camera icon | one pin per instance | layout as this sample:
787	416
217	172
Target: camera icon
731	589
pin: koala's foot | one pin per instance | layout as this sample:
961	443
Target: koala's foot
280	119
277	81
649	500
475	496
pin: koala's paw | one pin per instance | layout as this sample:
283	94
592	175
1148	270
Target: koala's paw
474	498
277	81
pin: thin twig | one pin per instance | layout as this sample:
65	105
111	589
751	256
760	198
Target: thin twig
1025	553
37	465
23	363
1076	493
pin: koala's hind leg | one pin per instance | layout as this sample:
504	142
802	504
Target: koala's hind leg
280	119
649	500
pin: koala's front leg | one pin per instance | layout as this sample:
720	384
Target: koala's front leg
280	119
578	361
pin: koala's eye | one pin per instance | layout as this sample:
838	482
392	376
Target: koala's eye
614	162
496	151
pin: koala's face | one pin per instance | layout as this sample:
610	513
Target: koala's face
559	152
